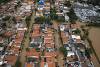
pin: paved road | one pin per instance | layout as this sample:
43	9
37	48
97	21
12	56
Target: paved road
26	41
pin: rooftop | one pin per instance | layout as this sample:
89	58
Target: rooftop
33	52
11	59
47	64
28	65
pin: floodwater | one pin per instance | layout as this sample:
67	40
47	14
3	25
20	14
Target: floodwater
94	35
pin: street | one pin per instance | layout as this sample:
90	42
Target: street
58	44
26	41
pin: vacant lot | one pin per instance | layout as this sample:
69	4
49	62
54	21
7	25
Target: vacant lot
94	35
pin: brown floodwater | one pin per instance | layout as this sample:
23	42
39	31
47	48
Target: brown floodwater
94	35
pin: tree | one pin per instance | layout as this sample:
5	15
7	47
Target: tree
6	18
67	3
94	2
77	31
28	18
87	53
63	50
18	63
37	1
3	25
72	16
27	49
37	49
61	19
40	19
4	1
53	14
14	19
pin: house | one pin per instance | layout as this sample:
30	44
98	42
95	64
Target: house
71	57
33	53
60	14
39	13
48	45
36	31
48	38
14	50
19	40
47	8
50	54
47	64
1	50
10	59
16	44
65	37
48	60
29	65
8	33
76	38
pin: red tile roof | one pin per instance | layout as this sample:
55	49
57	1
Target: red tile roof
49	45
28	65
32	52
64	38
15	50
36	30
50	54
49	64
48	41
16	44
8	33
11	59
19	40
18	18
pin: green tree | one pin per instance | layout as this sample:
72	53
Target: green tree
77	31
63	50
37	1
53	14
61	19
18	63
40	19
67	3
6	18
87	53
37	49
27	49
28	18
4	1
72	16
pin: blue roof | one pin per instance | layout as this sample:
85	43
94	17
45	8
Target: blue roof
41	2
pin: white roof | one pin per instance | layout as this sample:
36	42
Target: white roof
46	65
62	27
70	53
21	28
1	48
65	7
66	18
1	62
67	48
76	37
28	7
